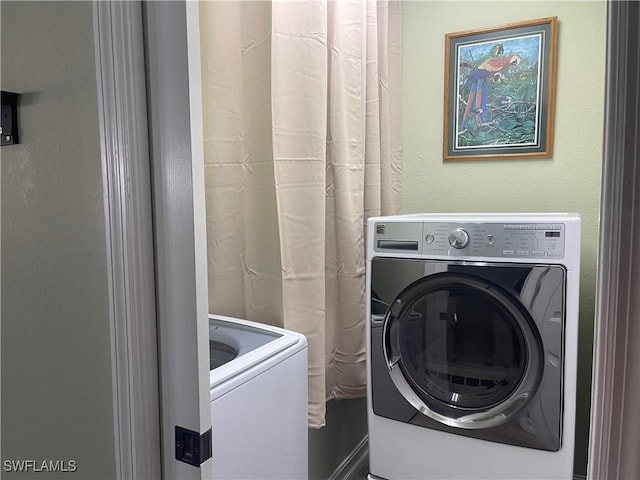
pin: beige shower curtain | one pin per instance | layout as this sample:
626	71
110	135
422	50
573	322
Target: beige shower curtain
302	129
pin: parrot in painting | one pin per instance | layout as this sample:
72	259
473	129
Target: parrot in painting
477	82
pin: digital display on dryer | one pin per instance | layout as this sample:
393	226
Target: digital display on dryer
551	234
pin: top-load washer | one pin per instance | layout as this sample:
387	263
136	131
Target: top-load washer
472	345
258	381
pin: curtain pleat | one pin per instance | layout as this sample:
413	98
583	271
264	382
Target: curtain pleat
299	105
243	245
345	268
302	119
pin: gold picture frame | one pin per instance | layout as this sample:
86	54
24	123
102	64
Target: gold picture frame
500	91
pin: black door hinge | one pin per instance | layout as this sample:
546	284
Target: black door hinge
191	447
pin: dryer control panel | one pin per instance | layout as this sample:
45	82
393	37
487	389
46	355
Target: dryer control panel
493	240
531	240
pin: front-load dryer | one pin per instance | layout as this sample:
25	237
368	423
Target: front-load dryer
472	345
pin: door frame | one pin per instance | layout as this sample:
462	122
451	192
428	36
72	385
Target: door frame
174	95
617	304
124	146
150	125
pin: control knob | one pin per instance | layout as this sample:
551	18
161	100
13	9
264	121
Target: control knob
459	238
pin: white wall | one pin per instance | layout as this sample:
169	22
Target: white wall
568	181
56	364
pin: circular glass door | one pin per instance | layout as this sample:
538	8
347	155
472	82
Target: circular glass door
462	350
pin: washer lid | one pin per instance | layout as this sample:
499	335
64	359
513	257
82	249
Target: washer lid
255	343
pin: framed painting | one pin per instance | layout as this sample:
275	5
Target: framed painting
499	91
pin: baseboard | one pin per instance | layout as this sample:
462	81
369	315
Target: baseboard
358	457
575	477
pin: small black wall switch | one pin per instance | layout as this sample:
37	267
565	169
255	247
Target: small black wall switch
9	127
191	447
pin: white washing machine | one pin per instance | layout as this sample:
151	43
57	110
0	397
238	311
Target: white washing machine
258	400
472	345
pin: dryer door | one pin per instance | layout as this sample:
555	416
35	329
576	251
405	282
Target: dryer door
462	350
